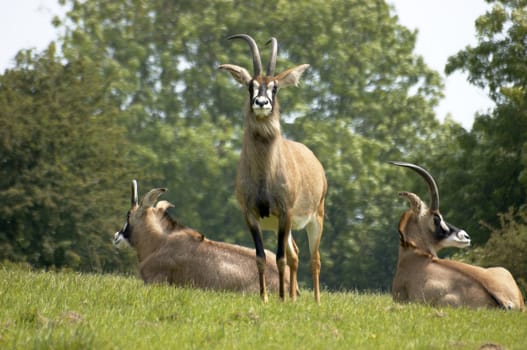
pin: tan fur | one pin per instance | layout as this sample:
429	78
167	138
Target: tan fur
294	180
279	177
169	252
423	277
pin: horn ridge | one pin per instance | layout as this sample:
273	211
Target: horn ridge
272	61
135	196
432	186
257	61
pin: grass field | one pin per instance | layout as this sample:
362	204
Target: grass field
67	310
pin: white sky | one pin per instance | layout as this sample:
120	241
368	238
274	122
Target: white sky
445	27
25	24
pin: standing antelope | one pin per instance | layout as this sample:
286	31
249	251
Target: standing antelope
423	277
280	184
170	252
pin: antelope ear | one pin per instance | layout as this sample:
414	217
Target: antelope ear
150	198
291	76
402	227
164	205
416	204
241	74
165	220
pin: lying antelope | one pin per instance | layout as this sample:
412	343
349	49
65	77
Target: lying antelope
170	252
423	277
280	184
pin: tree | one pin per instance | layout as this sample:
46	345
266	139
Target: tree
365	99
507	246
62	153
493	155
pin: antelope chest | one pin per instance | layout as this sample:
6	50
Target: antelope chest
265	196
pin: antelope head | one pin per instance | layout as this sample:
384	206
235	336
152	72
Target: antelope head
263	88
423	227
135	216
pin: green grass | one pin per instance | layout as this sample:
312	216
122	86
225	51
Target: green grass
67	310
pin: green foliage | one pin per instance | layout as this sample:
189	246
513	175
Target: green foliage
360	104
497	62
490	168
507	246
61	153
492	155
45	310
137	94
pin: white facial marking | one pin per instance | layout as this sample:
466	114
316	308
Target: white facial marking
444	225
262	105
459	239
119	241
462	236
117	237
270	88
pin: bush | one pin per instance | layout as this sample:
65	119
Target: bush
507	246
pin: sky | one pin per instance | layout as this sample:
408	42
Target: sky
444	28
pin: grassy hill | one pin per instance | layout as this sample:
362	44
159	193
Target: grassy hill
68	310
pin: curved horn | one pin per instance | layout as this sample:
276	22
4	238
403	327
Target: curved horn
432	186
150	198
135	197
272	61
257	62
